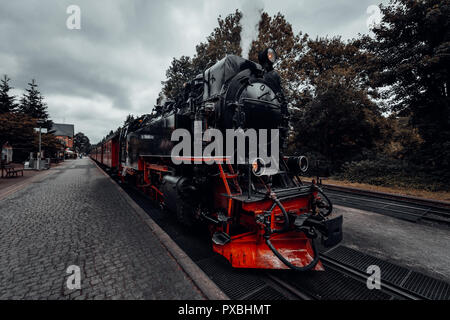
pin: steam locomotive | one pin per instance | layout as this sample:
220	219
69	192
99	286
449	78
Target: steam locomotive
258	218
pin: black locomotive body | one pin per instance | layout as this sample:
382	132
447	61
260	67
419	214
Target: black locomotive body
257	220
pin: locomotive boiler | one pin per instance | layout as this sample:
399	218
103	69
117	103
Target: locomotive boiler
258	211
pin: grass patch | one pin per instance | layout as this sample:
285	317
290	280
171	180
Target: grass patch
399	189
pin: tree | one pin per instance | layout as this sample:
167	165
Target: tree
49	143
18	130
33	105
338	120
17	124
81	143
130	118
225	39
340	124
180	71
7	102
405	140
275	32
412	45
330	62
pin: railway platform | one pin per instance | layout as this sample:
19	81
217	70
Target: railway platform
74	234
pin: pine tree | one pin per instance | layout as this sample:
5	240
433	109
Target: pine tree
412	45
18	130
15	128
7	102
180	71
33	105
130	118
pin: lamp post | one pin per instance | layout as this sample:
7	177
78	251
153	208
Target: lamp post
40	122
40	149
64	150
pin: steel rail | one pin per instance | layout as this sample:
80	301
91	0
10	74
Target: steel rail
290	289
436	204
347	270
386	286
441	215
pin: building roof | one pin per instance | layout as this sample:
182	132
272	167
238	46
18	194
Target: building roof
62	129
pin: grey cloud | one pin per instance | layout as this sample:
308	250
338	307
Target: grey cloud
114	65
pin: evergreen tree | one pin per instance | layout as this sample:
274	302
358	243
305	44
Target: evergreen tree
33	105
130	118
412	45
180	71
18	130
7	102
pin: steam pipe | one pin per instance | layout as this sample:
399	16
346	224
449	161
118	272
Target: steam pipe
309	266
277	202
312	264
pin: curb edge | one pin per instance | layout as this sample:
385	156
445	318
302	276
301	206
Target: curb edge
208	288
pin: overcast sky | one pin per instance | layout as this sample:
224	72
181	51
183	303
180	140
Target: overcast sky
114	65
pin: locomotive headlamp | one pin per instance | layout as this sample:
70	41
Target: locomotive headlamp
271	55
297	164
255	166
267	58
258	167
303	163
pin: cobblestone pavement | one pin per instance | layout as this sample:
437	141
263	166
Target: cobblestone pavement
76	216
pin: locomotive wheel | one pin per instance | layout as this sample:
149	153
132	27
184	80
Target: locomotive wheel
185	213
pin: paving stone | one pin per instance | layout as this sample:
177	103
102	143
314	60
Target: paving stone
76	216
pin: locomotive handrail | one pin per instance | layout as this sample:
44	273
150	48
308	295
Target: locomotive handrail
261	102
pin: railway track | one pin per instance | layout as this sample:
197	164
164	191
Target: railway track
398	281
395	291
344	279
405	208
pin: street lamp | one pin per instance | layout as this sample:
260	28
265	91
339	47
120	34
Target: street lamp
40	122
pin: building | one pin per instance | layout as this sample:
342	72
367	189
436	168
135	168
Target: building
64	132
